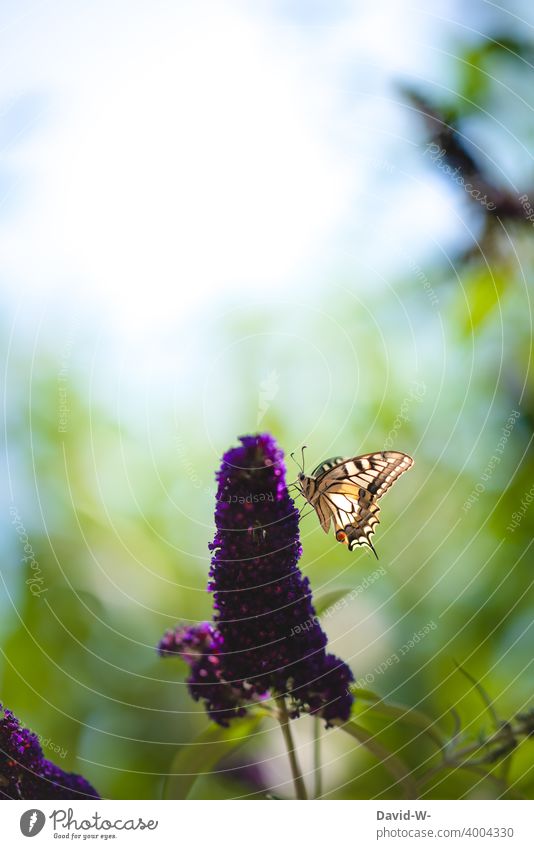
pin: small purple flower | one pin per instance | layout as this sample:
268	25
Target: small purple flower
266	636
26	774
200	647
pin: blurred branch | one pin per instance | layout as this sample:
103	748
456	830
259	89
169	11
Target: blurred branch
444	133
484	753
477	756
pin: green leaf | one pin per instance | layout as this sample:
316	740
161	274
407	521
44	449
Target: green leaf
329	599
407	715
392	763
201	755
366	695
483	291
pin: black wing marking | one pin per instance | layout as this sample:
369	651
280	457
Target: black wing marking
326	466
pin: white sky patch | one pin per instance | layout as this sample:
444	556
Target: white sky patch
173	166
188	150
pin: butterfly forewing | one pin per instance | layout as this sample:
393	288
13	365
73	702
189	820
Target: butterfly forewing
374	472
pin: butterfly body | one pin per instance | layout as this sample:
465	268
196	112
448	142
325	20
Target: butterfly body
345	492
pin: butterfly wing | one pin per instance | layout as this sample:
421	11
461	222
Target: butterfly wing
324	511
347	494
374	472
354	512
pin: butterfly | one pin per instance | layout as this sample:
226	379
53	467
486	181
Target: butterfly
346	492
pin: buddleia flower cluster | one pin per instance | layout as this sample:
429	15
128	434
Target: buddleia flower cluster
254	648
24	771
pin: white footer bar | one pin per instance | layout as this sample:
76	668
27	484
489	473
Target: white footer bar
269	824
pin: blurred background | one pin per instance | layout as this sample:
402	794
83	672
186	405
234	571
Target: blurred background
219	218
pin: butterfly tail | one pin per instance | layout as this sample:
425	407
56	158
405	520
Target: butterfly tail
371	546
355	538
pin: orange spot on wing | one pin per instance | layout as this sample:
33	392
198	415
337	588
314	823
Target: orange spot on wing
341	536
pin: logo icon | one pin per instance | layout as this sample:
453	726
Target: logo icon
32	822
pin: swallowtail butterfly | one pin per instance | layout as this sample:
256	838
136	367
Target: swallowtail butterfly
346	492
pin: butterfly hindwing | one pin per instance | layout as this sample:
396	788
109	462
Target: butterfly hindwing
324	513
355	514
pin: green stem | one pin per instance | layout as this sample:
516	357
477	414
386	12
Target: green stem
317	758
283	718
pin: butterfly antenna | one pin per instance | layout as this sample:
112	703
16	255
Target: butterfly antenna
292	455
299	465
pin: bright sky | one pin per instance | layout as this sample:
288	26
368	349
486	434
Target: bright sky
159	155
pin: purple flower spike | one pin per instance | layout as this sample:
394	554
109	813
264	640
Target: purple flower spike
265	637
26	774
271	636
